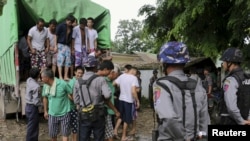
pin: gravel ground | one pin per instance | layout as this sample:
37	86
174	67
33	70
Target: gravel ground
10	130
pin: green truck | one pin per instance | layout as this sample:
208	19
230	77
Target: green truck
19	16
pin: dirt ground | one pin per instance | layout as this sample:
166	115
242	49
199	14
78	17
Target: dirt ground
10	130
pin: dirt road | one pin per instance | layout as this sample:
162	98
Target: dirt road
10	130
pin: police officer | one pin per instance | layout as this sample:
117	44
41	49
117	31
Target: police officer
150	88
99	91
174	55
231	114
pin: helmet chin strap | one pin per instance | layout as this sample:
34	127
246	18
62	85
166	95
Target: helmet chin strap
229	64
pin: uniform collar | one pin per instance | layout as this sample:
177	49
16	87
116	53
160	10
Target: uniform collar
176	72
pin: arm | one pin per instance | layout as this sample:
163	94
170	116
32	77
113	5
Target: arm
95	41
37	100
204	119
55	44
230	87
45	104
33	51
73	46
47	49
76	96
87	44
134	94
111	106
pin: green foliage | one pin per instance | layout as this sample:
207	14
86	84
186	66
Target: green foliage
208	27
130	37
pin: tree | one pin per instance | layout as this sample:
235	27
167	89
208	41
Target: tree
129	37
208	27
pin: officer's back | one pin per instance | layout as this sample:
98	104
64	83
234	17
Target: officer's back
91	99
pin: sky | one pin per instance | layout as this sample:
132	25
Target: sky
123	10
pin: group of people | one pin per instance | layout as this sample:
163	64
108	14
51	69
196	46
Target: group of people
81	108
183	113
60	45
87	108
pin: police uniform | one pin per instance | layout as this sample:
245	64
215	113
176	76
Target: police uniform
230	113
98	92
171	113
230	88
98	89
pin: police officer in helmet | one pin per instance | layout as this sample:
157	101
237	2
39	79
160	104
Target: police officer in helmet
173	126
91	99
231	112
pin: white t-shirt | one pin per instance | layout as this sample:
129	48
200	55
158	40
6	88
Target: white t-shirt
92	34
126	82
38	38
78	38
52	38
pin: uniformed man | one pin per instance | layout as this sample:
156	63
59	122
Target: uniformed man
95	95
173	126
231	113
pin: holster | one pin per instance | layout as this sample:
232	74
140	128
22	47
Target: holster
96	113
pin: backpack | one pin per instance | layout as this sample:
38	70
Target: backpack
190	84
89	111
243	94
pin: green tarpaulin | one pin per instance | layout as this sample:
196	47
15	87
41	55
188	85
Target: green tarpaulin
20	15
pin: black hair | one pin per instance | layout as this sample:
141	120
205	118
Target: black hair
83	21
90	18
40	20
34	72
106	64
138	72
53	21
128	66
71	18
208	68
79	68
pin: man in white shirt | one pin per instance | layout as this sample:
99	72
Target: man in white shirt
128	84
36	41
80	43
52	45
92	33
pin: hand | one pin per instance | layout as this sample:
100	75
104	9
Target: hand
246	122
117	114
46	116
33	51
137	104
55	50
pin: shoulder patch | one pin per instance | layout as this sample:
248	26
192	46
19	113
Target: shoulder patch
157	93
225	87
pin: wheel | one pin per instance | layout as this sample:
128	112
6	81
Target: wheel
2	104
